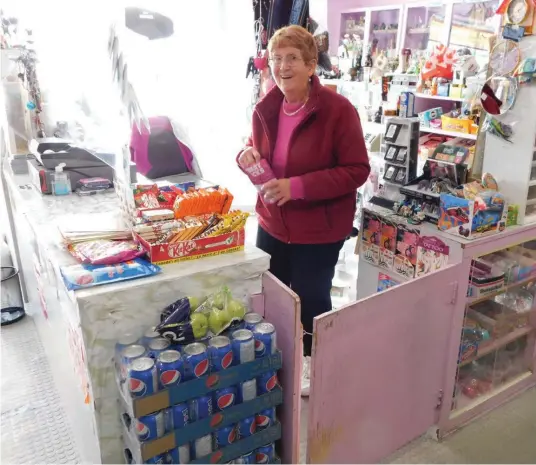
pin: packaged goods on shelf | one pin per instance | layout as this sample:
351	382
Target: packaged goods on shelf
203	402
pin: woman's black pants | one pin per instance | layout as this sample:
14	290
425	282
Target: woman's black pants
308	269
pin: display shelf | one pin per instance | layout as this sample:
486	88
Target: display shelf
497	344
438	97
449	133
419	30
500	291
466	404
385	31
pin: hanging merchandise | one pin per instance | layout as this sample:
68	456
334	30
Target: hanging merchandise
497	128
526	71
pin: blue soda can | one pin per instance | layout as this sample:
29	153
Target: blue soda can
246	458
161	458
123	342
177	416
265	418
149	335
246	391
142	379
252	319
170	369
243	346
220	353
265	454
225	436
247	427
196	361
157	346
200	408
128	355
224	398
179	454
265	339
150	426
202	447
266	382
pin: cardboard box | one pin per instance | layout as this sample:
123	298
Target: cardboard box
192	249
456	124
460	217
426	116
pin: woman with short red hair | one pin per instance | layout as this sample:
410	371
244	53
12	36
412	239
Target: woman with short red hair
313	140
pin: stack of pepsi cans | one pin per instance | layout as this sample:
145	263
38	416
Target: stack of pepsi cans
151	363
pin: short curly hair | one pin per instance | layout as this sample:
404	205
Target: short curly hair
297	37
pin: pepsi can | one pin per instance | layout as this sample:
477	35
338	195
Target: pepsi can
247	427
265	419
149	335
252	319
225	436
179	454
177	416
157	346
128	355
265	339
161	458
265	454
195	360
170	369
123	342
243	346
142	379
150	426
247	390
266	382
220	352
202	447
200	408
246	458
224	398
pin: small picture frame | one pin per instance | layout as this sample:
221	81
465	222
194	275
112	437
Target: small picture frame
391	153
391	134
401	176
390	173
401	155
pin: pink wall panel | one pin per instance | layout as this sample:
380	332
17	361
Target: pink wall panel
358	414
282	308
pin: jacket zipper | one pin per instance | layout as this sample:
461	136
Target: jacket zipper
270	157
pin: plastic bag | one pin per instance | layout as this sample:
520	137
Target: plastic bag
498	128
82	276
105	252
184	321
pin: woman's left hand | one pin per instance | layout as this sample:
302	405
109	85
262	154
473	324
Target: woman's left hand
277	191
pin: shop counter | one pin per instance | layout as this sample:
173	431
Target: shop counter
79	329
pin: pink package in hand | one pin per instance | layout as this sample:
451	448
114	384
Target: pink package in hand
260	173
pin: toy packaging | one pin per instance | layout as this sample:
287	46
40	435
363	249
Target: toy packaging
432	255
485	215
385	282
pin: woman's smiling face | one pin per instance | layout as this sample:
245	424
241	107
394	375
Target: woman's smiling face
290	71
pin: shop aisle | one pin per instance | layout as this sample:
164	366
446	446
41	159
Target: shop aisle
505	435
34	425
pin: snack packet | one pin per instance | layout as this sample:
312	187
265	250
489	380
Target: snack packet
105	252
260	173
82	276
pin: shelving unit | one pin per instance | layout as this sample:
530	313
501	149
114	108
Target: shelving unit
448	133
438	97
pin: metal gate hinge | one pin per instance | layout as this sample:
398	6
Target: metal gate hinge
454	296
439	399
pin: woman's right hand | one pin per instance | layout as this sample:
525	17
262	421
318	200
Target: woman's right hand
249	157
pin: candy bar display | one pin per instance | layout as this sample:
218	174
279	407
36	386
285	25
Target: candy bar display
207	394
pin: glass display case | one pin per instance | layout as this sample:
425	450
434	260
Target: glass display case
383	30
425	27
353	24
498	333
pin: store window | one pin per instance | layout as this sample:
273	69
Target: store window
473	26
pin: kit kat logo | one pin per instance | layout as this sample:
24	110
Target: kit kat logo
181	249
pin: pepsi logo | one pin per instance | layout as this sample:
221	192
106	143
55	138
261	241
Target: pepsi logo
226	401
271	383
201	368
262	421
212	380
142	430
216	457
261	457
260	348
169	377
232	436
252	427
137	387
216	420
227	360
